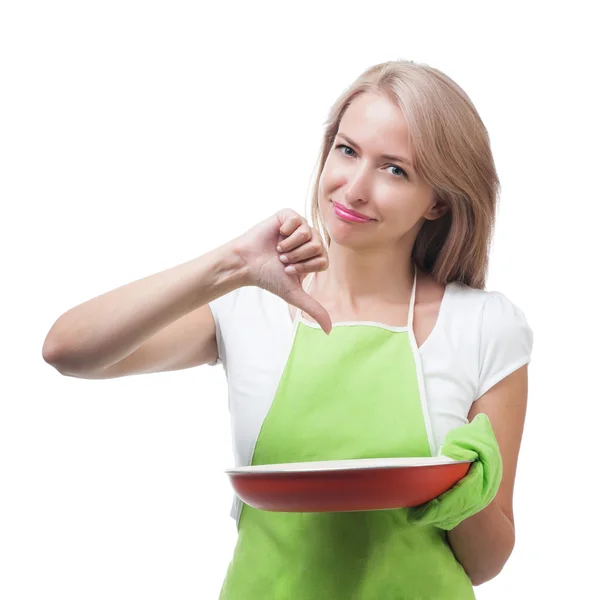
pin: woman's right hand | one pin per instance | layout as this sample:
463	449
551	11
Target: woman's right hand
286	234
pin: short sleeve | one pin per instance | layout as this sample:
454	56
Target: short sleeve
506	341
214	307
223	310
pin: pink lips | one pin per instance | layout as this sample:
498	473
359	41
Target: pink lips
349	215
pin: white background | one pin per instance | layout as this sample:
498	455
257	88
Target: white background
138	135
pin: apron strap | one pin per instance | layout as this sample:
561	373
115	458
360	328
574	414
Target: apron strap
411	306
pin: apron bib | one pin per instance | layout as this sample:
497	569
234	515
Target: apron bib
357	393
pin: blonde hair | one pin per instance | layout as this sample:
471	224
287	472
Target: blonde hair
451	152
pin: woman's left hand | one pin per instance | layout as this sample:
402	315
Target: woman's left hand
474	441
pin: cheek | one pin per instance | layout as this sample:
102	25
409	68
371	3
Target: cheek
393	207
332	177
401	213
321	195
325	191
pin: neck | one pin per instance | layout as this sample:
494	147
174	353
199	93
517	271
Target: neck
356	276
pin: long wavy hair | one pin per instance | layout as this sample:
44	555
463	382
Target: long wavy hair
451	152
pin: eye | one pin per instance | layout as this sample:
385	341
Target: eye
402	172
344	146
399	173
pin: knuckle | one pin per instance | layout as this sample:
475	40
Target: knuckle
306	234
289	215
315	248
317	238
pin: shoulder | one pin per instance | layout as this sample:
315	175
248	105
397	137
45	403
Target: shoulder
496	316
251	302
490	307
246	319
247	311
503	337
241	302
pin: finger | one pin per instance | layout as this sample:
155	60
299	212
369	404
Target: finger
291	222
300	236
300	299
304	252
312	265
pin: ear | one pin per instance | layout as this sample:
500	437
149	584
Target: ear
436	210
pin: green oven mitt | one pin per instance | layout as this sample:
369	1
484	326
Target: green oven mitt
474	441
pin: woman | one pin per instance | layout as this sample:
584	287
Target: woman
390	347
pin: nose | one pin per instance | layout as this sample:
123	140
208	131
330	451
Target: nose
357	184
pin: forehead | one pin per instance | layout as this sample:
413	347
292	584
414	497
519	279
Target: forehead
376	122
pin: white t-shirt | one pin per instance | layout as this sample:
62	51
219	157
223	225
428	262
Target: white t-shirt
479	338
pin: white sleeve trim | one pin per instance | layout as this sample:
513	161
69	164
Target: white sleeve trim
487	385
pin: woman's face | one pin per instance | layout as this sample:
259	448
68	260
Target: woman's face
368	171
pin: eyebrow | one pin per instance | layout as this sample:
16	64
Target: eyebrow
400	159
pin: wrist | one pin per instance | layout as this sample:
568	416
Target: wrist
232	270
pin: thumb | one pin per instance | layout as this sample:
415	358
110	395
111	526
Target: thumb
306	303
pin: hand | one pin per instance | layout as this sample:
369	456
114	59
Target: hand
473	441
287	234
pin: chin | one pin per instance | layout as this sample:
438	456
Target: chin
348	235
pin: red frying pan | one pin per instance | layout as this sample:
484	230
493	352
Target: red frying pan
346	485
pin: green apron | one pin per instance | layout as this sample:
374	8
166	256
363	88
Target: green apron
357	393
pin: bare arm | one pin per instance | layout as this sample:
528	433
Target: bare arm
484	542
162	322
158	323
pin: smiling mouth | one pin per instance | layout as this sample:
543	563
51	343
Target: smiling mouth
349	215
